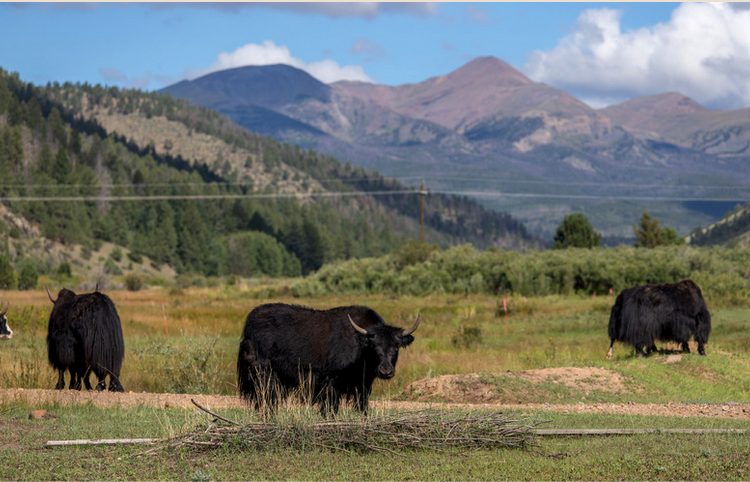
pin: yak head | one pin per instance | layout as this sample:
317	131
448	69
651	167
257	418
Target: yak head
385	341
5	332
63	295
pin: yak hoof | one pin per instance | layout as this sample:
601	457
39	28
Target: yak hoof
115	387
609	353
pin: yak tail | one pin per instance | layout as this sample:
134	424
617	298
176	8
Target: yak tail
255	379
702	325
640	324
615	319
61	349
246	360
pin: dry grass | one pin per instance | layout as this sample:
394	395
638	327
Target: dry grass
203	327
391	433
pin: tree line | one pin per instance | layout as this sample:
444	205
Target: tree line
46	151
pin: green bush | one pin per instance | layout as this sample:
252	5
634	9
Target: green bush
110	267
135	257
723	274
28	276
64	270
133	281
7	274
196	370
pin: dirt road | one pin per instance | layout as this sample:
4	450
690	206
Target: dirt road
213	402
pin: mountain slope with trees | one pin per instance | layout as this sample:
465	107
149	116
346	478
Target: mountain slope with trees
187	188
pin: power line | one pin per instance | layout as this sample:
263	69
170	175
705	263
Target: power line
169	197
475	194
499	194
370	180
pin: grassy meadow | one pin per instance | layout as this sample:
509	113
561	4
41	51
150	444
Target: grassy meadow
186	341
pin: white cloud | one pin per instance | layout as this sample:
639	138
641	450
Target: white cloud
703	51
268	53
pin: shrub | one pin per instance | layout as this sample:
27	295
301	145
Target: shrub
110	267
64	270
720	272
27	277
133	282
196	370
7	274
135	257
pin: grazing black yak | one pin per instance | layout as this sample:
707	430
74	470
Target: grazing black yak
667	312
337	352
84	335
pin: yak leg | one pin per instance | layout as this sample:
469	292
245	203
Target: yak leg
685	347
640	350
101	376
85	378
361	398
330	402
265	387
609	352
75	380
87	382
60	379
701	349
102	385
114	384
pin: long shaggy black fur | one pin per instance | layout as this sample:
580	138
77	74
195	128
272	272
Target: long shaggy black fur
667	312
85	335
286	347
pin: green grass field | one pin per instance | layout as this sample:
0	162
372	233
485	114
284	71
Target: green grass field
187	341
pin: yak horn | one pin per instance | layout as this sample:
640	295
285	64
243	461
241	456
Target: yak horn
5	310
416	324
50	295
357	327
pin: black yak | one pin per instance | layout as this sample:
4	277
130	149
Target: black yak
84	335
5	332
667	312
333	353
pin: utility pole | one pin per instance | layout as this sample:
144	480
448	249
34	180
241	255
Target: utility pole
422	194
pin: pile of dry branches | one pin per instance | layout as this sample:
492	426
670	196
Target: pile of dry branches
423	429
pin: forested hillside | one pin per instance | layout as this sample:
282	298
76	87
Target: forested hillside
185	187
732	230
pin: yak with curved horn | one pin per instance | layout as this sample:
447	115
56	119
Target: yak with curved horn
334	353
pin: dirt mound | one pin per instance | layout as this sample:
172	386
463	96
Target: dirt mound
482	388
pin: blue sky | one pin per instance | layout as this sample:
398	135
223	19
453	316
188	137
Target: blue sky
601	52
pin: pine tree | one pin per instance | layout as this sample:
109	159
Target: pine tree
576	232
62	166
648	233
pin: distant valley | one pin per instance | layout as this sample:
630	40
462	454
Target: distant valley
488	132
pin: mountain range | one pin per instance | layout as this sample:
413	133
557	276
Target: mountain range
489	132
